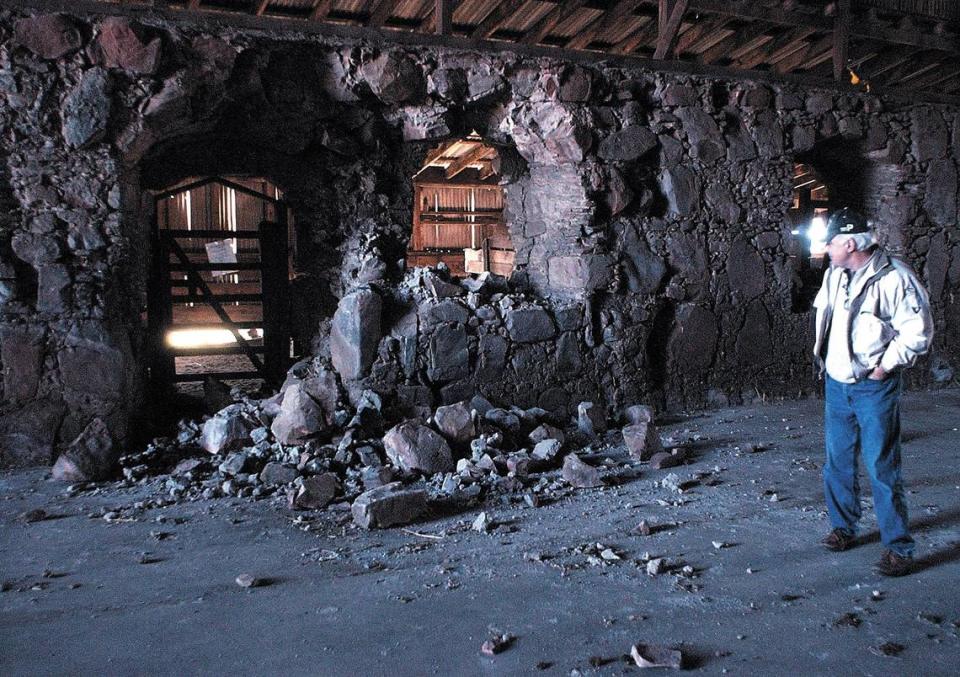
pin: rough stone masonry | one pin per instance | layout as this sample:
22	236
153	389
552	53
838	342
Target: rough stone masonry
648	211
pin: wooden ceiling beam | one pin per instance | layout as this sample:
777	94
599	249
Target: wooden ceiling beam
775	50
639	36
738	37
380	12
841	39
813	55
491	22
938	78
557	15
471	157
669	18
442	17
602	23
895	76
701	29
321	8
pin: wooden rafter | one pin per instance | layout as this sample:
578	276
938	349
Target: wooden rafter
491	22
261	7
603	23
700	31
669	18
380	11
560	13
841	38
775	50
724	47
641	35
469	158
443	17
321	8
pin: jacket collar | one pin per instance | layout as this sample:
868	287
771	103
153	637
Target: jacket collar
877	262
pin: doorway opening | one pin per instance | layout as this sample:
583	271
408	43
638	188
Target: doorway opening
808	215
458	215
218	299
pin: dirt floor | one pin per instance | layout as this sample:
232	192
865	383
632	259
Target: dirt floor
109	588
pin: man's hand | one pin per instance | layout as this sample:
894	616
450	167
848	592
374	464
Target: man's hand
878	374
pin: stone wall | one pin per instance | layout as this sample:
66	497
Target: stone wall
647	209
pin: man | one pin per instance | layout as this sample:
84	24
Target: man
873	321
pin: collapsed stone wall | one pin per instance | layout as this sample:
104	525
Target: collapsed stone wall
647	209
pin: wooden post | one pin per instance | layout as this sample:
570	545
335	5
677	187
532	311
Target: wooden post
274	282
841	39
443	16
160	310
668	26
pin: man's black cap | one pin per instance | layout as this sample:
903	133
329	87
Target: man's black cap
846	221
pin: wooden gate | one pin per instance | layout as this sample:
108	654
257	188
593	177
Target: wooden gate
185	275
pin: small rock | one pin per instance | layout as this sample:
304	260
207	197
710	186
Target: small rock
656	656
496	644
656	566
482	524
591	419
316	492
609	555
642	440
413	446
665	459
89	457
248	581
545	431
455	423
546	450
639	413
227	431
36	515
580	475
644	528
278	473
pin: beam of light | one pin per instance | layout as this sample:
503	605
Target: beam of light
202	338
817	234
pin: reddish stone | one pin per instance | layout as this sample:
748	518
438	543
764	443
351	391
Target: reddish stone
89	458
122	44
48	35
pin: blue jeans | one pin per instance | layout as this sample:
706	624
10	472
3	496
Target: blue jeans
864	417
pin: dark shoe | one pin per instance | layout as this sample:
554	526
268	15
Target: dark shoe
892	564
838	540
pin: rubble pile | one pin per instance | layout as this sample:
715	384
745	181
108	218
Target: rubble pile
309	447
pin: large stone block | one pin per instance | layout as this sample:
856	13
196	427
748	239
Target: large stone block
754	347
300	418
395	79
929	134
229	430
28	434
529	325
89	458
448	355
412	446
492	358
21	354
125	45
682	190
584	272
644	270
48	35
628	144
693	341
86	109
745	270
355	333
941	194
389	505
93	369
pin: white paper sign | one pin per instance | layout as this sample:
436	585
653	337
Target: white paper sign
221	251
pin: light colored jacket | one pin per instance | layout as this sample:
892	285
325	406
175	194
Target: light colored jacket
890	322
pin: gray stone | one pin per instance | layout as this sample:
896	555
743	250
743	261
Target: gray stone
227	431
278	473
639	413
628	144
503	419
492	358
578	474
355	333
768	135
754	347
126	45
448	356
395	78
584	272
568	354
433	313
27	434
591	419
315	492
546	450
941	194
412	446
745	270
455	423
545	431
21	354
86	109
929	134
682	190
300	417
693	341
89	458
642	440
388	505
48	35
54	284
528	325
723	203
644	269
92	368
702	132
740	146
678	95
656	656
234	464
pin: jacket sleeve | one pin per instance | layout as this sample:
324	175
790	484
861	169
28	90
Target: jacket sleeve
910	318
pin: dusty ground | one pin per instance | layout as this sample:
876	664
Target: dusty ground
154	592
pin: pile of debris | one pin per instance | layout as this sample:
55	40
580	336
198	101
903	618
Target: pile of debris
308	446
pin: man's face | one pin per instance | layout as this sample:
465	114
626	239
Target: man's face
839	250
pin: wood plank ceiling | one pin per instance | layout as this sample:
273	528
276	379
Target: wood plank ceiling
907	44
